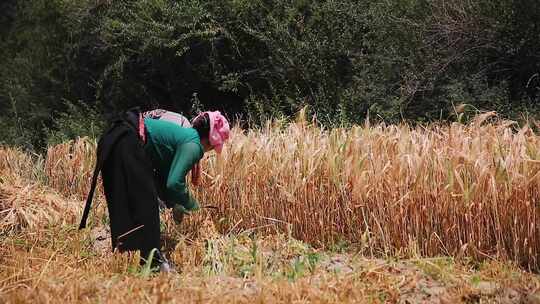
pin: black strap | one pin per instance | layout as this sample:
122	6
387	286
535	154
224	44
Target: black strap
88	204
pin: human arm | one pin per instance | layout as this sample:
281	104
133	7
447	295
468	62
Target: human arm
177	192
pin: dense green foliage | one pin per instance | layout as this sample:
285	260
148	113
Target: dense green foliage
63	63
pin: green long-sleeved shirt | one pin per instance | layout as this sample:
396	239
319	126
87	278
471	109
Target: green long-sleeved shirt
173	151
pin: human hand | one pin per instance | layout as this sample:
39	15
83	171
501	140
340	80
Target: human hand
162	205
178	214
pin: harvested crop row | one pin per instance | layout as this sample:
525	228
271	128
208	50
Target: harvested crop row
26	205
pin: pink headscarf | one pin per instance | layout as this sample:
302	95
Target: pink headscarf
219	133
219	129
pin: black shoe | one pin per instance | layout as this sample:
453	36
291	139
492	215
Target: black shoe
163	263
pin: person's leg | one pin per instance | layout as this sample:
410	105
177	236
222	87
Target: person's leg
115	188
131	198
142	195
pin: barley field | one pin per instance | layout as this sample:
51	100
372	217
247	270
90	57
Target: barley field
293	213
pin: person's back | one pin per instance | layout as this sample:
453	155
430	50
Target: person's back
163	139
170	116
173	151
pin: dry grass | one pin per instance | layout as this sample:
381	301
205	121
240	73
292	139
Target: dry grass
14	162
458	190
60	264
69	167
29	205
469	192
